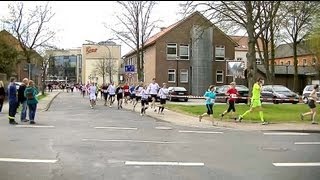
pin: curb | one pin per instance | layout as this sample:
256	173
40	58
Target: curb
50	102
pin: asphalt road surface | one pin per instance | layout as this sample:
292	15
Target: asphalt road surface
72	141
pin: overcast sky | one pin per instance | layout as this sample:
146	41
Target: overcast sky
77	21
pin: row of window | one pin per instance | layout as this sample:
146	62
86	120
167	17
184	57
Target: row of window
184	76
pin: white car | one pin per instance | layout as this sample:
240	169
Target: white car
306	92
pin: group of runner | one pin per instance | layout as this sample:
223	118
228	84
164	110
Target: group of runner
142	92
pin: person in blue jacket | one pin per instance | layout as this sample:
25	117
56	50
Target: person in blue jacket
13	101
210	97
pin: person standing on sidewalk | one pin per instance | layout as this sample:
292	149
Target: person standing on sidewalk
313	97
232	93
153	89
31	95
163	93
210	96
2	95
22	99
255	101
13	102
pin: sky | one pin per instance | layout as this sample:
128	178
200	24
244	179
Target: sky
77	21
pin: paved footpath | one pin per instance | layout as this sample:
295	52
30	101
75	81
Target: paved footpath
190	121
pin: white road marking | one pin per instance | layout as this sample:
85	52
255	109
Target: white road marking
117	128
144	163
307	143
201	132
133	141
28	160
33	126
296	164
287	133
163	128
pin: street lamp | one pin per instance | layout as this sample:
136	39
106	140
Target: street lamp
287	65
177	60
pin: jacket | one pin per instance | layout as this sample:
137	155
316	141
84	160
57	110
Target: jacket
21	97
34	92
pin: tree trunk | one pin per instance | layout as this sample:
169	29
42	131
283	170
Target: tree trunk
272	50
295	63
251	57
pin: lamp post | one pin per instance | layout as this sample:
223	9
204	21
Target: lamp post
177	60
287	65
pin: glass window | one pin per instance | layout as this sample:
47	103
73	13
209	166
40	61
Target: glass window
239	59
171	51
219	76
314	61
304	61
184	51
258	61
281	62
183	75
220	53
171	75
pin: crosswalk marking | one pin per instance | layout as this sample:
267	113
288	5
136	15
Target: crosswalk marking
145	163
28	160
296	164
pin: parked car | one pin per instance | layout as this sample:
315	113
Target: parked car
178	93
223	98
18	85
306	92
278	94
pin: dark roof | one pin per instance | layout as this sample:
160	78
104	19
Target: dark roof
286	50
282	69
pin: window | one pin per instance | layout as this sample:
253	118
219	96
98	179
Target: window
288	63
314	61
171	51
239	59
281	62
171	75
183	75
258	61
184	51
220	54
219	76
304	61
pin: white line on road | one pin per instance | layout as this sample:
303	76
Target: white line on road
133	141
28	160
296	164
201	132
33	126
307	143
117	128
144	163
287	133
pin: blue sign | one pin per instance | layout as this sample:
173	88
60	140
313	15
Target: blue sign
129	68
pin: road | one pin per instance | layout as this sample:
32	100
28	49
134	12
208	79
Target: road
72	141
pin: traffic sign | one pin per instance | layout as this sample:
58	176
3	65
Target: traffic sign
129	68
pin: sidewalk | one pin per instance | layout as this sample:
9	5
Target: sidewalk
192	121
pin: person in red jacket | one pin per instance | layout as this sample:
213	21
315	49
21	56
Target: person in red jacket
232	93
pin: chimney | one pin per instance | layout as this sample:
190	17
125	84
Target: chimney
163	28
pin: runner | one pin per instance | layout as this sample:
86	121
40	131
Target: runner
126	93
92	95
138	90
132	93
255	101
119	92
232	93
153	89
210	96
144	100
112	93
104	90
312	99
163	93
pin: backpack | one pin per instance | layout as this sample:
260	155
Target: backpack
29	95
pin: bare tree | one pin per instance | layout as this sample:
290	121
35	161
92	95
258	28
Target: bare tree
30	27
296	24
235	15
105	68
313	44
136	28
269	12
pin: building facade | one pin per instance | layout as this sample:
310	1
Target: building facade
191	53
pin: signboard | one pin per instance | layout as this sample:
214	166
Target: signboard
129	68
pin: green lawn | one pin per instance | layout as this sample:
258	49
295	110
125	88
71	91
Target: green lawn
277	113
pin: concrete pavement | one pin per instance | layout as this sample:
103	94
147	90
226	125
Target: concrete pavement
189	120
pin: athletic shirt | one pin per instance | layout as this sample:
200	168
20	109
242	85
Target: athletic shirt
138	90
256	91
126	89
144	94
119	90
132	90
210	97
232	94
153	88
112	89
313	95
92	90
104	89
163	92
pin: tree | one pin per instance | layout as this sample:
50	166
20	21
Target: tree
30	28
105	67
313	43
235	15
296	25
8	58
136	28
